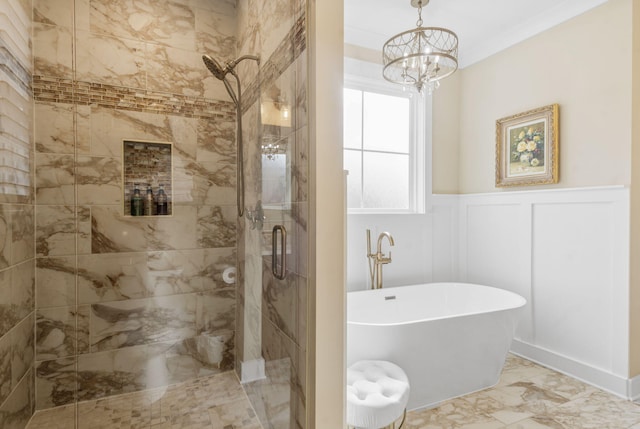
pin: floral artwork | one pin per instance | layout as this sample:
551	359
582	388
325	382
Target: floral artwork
527	148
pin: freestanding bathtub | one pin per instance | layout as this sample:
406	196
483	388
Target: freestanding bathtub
450	338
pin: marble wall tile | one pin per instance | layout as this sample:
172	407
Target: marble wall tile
216	141
54	179
205	354
99	180
56	281
216	226
56	382
204	183
110	232
134	322
53	128
55	230
276	21
182	132
154	365
23	289
249	31
7	312
121	276
110	60
83	130
22	233
55	333
215	32
22	349
110	127
57	13
83	339
16	411
5	235
300	168
215	311
5	367
83	243
114	372
280	301
52	53
169	23
252	155
301	115
175	70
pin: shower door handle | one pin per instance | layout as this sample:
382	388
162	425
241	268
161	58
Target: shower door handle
279	274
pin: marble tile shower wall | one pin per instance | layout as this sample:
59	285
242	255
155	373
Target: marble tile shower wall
276	30
17	256
128	303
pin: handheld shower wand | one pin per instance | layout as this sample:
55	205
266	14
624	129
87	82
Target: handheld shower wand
221	73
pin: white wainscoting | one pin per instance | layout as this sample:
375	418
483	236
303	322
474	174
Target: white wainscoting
567	253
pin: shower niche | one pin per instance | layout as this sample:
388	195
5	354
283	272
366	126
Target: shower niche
147	178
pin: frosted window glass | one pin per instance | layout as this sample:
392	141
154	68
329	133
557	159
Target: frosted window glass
353	163
352	119
386	122
386	182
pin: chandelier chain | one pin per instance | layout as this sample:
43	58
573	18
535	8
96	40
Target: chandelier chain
419	22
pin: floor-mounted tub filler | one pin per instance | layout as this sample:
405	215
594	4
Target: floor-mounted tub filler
450	338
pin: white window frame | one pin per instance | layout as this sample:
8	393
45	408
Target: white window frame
419	145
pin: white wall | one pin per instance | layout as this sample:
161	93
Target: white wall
414	259
565	250
567	253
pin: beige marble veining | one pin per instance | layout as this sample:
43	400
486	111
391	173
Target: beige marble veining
530	396
214	402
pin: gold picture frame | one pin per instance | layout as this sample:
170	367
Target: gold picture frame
527	148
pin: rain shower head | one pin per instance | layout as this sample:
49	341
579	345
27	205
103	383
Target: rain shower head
219	71
214	67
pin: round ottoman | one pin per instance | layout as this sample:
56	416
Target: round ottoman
377	394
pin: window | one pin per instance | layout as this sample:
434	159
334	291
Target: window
384	148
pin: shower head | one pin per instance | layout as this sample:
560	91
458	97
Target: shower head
214	67
219	71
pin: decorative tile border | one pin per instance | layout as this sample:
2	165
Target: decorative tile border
59	90
293	44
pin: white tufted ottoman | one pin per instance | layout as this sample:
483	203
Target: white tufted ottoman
377	394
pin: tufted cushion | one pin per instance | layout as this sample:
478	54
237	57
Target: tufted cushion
377	393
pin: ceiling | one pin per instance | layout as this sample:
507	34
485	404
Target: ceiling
483	27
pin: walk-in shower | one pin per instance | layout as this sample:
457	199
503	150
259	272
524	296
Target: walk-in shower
221	73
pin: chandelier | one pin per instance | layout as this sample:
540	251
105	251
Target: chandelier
422	56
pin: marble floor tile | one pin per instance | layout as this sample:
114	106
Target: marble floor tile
528	396
215	402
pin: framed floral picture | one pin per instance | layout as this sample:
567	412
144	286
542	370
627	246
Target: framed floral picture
527	148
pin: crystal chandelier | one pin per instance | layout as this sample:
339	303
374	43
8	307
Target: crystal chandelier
422	56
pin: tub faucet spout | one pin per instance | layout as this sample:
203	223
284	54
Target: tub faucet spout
378	259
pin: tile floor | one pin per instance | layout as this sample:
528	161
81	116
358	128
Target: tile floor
527	397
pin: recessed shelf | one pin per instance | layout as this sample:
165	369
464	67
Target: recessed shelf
147	165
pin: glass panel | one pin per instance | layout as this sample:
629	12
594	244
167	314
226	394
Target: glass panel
352	119
353	163
386	183
386	123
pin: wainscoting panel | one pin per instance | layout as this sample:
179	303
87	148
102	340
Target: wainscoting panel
567	253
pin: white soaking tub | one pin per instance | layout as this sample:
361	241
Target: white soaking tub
450	338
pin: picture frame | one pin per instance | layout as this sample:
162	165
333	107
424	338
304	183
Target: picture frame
527	148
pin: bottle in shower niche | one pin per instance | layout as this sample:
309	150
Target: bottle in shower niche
137	204
162	205
149	203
